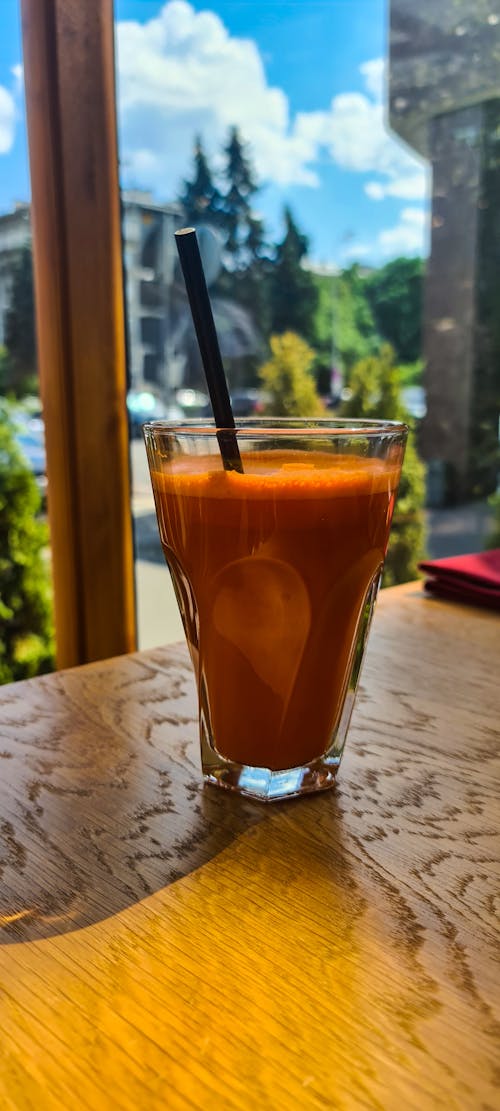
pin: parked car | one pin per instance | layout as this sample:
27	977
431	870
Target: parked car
248	403
194	403
144	405
30	438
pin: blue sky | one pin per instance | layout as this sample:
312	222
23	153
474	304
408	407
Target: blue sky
305	82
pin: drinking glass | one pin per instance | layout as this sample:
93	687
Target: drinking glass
276	569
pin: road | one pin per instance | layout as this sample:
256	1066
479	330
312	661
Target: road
158	619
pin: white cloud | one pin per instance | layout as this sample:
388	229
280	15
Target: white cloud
17	72
410	236
182	73
375	190
409	187
7	120
358	252
374	76
360	140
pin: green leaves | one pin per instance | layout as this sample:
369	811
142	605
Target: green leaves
287	380
18	362
375	385
26	634
395	295
293	291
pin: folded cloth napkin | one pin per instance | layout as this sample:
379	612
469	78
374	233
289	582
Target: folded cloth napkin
469	578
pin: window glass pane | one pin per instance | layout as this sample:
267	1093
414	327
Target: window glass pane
26	636
340	162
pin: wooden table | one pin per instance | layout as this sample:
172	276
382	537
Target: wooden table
170	946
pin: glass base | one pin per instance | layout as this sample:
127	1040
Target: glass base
271	786
319	774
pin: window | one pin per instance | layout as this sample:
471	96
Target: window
340	164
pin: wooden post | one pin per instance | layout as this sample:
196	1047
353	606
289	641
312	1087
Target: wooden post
70	105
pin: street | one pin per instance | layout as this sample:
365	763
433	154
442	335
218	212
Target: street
158	619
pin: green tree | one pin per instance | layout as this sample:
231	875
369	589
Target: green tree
356	332
4	370
287	378
293	290
376	396
26	641
247	264
344	329
493	537
201	199
250	286
395	295
236	206
21	370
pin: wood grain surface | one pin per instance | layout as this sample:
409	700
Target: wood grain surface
170	946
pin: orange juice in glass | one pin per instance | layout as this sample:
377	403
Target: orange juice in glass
276	572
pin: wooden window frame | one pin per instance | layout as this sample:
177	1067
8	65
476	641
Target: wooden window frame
71	115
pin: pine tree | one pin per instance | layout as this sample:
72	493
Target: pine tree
294	293
287	378
26	641
201	199
20	371
246	261
241	228
376	396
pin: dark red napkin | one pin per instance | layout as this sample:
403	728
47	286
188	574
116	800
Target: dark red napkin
469	578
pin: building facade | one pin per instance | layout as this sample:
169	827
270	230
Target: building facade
444	102
15	234
149	257
149	261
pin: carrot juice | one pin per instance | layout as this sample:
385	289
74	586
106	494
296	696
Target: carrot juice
273	570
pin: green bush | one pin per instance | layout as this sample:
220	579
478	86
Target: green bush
26	637
18	371
493	537
287	378
376	395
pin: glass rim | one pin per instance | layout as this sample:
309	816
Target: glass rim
250	427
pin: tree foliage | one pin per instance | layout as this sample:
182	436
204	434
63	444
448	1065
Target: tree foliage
243	231
376	396
201	198
493	536
355	331
344	328
26	641
287	379
20	370
394	294
293	290
4	371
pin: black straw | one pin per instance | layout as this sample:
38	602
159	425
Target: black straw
201	311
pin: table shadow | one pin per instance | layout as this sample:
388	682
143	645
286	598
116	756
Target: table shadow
66	881
102	802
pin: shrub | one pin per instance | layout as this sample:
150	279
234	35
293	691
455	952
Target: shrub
493	537
287	378
26	638
376	395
